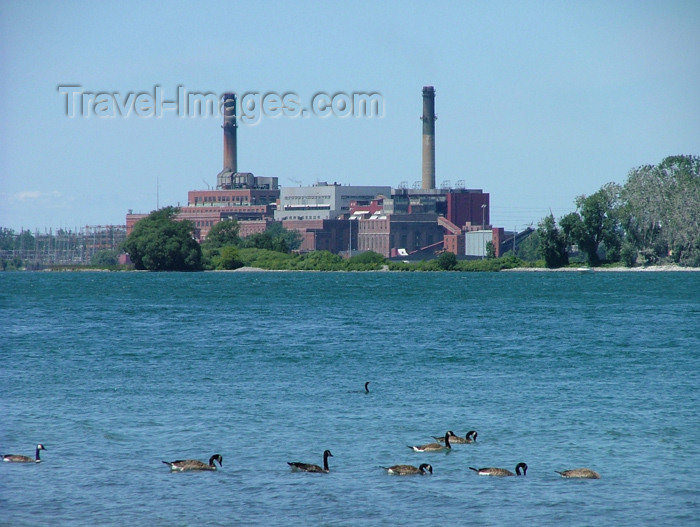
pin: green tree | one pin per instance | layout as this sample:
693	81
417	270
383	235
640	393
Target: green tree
490	250
595	223
229	258
447	261
553	243
291	238
529	248
222	234
259	240
25	241
7	239
160	243
104	258
628	254
661	212
275	238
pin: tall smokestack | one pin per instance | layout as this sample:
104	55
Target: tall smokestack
428	137
230	125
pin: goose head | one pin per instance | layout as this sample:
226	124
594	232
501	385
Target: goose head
424	467
216	457
447	439
522	466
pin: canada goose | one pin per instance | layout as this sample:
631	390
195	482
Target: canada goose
501	471
434	447
194	464
307	467
407	470
582	473
366	389
14	458
455	439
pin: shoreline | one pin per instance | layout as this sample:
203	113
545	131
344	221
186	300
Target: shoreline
585	269
581	270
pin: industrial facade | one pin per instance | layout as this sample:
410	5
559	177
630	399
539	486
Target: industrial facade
386	234
323	201
339	218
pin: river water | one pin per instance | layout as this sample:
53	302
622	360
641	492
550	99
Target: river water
115	372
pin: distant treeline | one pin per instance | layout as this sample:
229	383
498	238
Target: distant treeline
653	218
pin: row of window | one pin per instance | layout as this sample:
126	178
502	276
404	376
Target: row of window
228	199
310	198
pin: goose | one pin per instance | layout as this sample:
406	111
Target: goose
408	470
581	473
434	447
501	471
307	467
455	439
194	464
14	458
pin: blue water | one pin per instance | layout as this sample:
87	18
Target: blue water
114	372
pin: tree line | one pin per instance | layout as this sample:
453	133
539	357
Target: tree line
653	217
159	242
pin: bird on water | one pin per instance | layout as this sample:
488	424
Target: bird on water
455	439
194	464
409	470
15	458
580	473
433	447
501	471
309	467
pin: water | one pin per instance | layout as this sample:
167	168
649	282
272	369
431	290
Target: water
114	372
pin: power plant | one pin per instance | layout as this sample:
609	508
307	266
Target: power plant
395	222
428	119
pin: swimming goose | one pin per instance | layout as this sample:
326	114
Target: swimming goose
582	473
501	471
307	467
455	439
434	447
14	458
407	470
194	464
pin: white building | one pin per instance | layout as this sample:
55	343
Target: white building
475	242
323	201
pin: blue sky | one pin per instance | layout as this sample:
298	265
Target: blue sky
537	102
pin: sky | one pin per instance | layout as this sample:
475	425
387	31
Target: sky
537	102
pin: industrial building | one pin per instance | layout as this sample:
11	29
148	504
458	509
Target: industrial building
323	201
396	223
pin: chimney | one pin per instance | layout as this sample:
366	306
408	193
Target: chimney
428	119
230	125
